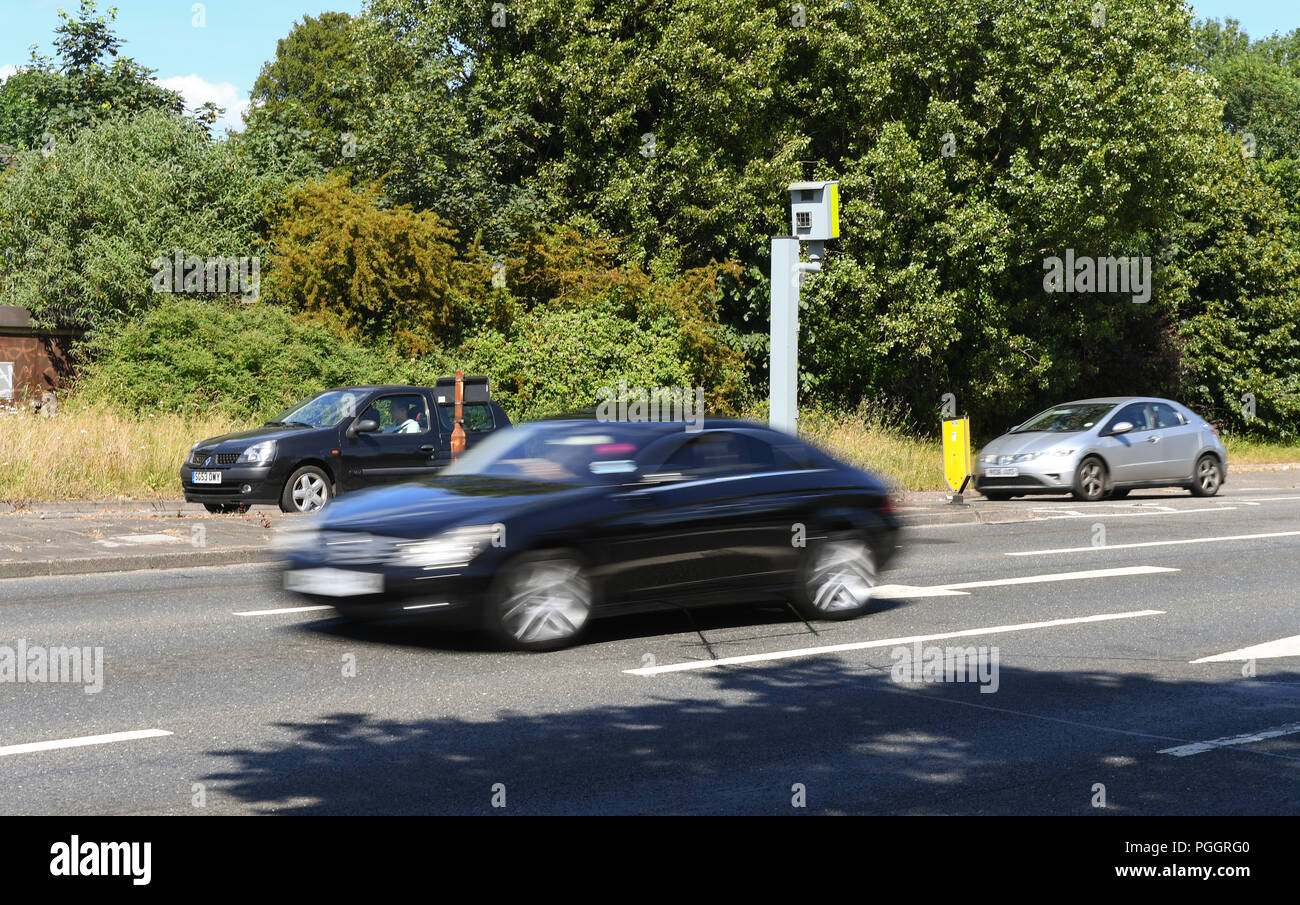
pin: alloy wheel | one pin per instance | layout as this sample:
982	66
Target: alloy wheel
1091	480
842	577
309	493
544	602
1207	476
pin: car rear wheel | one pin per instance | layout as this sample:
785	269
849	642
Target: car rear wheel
1090	480
307	490
837	578
541	601
1209	475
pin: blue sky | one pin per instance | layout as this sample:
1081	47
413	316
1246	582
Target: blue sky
220	60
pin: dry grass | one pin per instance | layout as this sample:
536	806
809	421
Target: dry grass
93	453
872	439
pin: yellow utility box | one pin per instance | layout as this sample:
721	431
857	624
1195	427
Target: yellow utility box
956	453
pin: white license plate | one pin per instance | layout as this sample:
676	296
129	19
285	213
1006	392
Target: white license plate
333	582
206	477
1002	472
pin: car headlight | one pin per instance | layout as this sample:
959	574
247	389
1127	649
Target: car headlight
257	454
456	547
988	459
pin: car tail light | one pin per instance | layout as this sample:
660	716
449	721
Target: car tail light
886	505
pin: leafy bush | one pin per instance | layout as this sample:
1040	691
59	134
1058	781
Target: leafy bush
246	361
389	273
85	225
588	322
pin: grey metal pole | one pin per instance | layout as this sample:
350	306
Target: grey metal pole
782	387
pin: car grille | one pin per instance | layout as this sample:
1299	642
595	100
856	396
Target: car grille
201	456
348	548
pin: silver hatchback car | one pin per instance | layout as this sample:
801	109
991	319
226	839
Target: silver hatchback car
1103	448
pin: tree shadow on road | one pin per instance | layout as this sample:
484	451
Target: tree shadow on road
742	741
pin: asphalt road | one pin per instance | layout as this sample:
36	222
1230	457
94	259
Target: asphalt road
1095	697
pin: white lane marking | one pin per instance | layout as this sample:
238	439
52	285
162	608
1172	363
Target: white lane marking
1282	647
899	591
1108	514
1155	543
1231	741
82	741
1268	499
1060	576
887	642
902	591
284	609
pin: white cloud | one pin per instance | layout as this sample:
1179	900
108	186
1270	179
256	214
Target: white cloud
6	70
196	90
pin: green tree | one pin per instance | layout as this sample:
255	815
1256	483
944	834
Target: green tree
307	97
58	98
89	223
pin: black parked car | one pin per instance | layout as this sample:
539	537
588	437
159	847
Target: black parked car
546	525
338	440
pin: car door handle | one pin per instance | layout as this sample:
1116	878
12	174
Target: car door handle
1153	439
428	447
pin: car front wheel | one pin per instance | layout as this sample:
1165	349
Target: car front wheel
541	601
838	578
1209	475
1090	480
307	490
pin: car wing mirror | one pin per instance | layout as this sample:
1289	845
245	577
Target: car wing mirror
1122	427
364	426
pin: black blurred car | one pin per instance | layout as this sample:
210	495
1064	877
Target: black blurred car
338	440
544	526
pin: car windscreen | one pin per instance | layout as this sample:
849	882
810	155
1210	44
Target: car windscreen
323	410
1067	418
564	453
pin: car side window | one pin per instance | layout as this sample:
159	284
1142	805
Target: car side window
404	413
1167	416
1135	414
719	453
